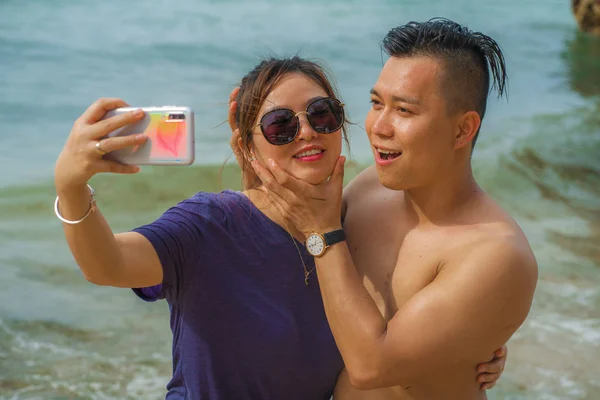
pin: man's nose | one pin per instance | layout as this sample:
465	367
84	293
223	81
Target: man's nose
383	126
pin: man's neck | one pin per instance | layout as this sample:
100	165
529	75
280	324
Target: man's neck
442	199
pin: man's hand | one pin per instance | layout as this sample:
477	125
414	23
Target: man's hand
248	172
490	372
310	208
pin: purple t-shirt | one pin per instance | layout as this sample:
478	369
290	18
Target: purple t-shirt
245	326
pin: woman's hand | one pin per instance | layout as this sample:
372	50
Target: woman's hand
81	157
490	372
310	208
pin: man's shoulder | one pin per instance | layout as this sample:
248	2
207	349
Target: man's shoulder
498	248
363	196
366	178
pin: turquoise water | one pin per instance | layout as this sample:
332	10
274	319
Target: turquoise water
539	155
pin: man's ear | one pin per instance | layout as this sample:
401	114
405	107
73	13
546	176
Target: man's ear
249	156
467	128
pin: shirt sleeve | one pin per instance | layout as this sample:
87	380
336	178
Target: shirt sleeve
178	237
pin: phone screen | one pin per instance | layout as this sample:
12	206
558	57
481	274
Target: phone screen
167	132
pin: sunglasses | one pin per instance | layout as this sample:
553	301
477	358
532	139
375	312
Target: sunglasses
281	126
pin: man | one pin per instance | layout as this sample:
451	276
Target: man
433	275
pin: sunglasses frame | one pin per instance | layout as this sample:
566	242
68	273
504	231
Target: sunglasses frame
296	115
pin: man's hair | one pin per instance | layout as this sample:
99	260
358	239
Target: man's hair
468	58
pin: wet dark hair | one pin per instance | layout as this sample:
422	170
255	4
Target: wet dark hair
261	80
468	58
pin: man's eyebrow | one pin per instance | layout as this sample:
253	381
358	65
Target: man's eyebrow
399	99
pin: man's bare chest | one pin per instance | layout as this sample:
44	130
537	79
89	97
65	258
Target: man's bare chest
394	261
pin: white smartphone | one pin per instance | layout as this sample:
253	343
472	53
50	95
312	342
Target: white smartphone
170	131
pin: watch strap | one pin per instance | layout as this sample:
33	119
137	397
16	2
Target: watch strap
334	237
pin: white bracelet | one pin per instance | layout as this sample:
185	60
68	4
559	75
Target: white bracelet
91	209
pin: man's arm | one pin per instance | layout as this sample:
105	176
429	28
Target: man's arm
468	311
484	296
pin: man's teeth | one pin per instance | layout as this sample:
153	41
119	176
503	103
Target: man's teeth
309	153
386	154
387	151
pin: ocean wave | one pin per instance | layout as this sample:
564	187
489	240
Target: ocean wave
43	359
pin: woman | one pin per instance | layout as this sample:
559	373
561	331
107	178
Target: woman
246	312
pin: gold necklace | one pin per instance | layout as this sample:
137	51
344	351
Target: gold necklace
306	272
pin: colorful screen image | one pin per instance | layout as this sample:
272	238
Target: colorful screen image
167	134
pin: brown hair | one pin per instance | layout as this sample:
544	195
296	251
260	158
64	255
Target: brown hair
258	83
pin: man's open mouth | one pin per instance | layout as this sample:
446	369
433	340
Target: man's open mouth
388	154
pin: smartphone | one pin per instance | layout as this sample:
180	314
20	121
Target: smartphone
170	131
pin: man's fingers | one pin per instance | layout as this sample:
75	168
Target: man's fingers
264	174
282	177
288	181
233	94
488	378
103	128
270	181
233	108
501	352
121	142
494	366
116	168
233	143
338	171
99	108
231	116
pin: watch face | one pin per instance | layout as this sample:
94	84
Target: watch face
315	244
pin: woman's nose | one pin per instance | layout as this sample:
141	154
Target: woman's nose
306	132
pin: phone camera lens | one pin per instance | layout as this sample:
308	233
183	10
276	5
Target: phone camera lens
176	116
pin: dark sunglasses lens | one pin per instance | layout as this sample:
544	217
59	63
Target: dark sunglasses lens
326	115
279	126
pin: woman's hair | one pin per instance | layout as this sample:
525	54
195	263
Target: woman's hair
258	83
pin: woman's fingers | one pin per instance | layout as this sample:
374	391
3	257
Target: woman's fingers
100	107
120	142
116	167
104	127
81	157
